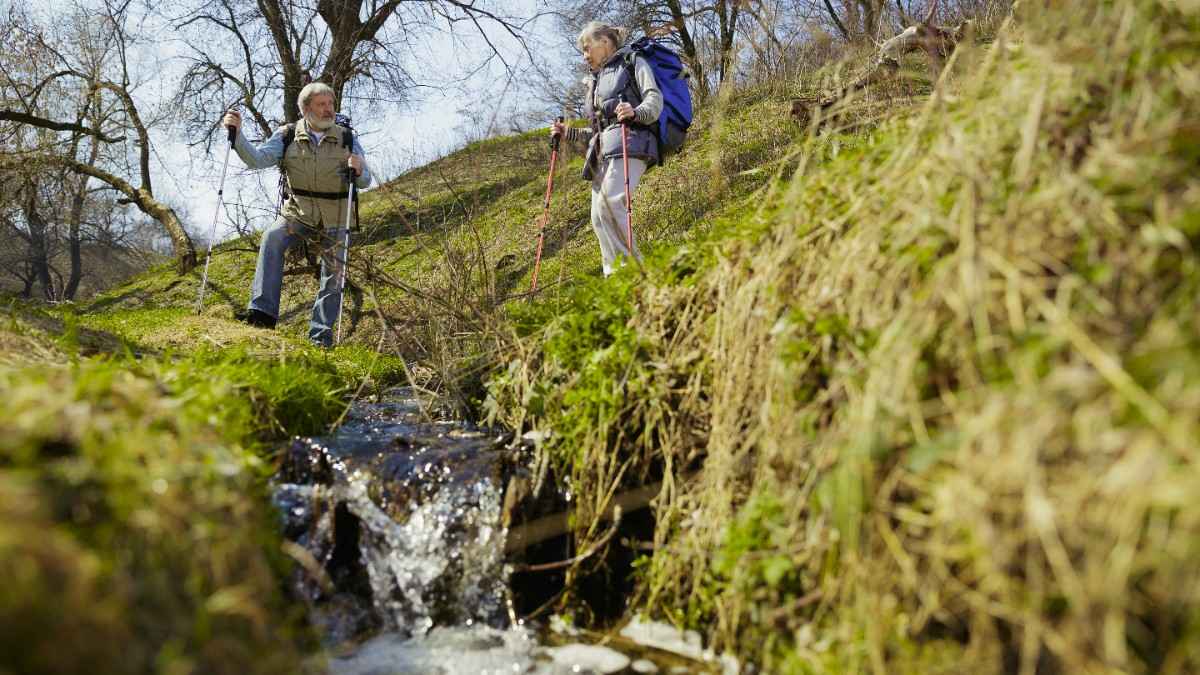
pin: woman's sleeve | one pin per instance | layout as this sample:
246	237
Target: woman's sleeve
651	106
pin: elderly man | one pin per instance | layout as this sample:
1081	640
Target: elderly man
314	163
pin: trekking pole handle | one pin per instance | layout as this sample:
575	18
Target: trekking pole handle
557	137
232	132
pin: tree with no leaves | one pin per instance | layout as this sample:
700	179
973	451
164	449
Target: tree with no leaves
65	95
363	49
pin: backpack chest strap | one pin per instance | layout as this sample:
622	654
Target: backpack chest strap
318	195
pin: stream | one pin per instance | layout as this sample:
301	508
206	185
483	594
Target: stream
396	523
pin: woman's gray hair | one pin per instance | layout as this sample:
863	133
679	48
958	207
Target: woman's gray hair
595	29
313	89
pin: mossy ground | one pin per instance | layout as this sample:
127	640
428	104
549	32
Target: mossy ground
135	534
921	380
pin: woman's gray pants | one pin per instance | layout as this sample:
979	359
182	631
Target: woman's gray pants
268	274
609	218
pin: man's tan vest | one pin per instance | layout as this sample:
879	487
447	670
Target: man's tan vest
314	168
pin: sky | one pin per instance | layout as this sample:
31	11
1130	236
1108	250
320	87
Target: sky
395	139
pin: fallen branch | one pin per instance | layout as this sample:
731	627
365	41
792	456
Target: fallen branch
534	532
310	564
937	42
560	564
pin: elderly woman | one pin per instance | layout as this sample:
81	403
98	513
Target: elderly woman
621	91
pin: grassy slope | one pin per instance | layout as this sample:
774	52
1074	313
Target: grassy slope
939	386
926	361
460	234
140	434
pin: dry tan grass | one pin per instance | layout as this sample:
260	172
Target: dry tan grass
959	364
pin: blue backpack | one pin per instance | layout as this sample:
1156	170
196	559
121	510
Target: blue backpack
676	116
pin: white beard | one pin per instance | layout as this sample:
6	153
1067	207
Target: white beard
317	123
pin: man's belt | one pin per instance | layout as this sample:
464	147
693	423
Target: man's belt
318	195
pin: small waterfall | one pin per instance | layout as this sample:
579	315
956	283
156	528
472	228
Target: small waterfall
395	523
415	504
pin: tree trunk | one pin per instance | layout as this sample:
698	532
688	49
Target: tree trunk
38	254
75	221
870	12
27	281
347	31
73	243
727	15
688	45
837	22
181	243
289	60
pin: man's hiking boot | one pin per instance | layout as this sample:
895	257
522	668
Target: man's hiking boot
255	318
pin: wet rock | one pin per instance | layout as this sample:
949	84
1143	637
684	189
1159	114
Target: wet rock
294	504
396	524
342	618
687	643
304	463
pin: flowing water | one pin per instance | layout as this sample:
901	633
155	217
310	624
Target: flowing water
396	523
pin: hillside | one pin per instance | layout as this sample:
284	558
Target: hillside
920	376
928	399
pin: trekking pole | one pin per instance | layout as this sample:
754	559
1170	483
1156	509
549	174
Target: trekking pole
351	194
537	263
628	198
212	235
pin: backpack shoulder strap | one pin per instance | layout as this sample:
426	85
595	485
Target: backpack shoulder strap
289	136
630	59
284	188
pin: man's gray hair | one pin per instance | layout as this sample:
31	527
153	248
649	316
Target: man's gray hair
595	29
313	89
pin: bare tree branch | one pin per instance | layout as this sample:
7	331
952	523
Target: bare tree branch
140	197
35	121
837	21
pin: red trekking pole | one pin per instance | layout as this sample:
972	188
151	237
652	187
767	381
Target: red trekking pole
628	201
537	263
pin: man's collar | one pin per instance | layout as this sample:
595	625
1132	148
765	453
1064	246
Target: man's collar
302	130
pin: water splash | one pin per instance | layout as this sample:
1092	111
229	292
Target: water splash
443	562
413	504
395	523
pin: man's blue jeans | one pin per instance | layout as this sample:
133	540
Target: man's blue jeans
268	274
